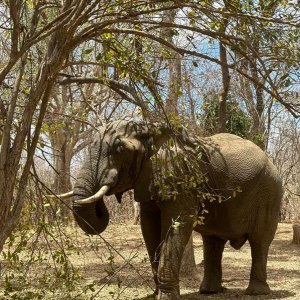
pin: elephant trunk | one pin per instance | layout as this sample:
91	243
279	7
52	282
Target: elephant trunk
92	217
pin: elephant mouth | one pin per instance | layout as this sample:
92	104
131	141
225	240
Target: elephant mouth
92	218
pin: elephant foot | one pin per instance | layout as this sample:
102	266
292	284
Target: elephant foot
258	288
168	296
210	287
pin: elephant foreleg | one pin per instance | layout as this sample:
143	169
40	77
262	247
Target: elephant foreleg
212	252
176	231
151	230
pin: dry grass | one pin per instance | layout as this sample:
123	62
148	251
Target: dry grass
132	275
116	266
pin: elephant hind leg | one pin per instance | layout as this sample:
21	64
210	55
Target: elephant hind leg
261	236
258	277
213	247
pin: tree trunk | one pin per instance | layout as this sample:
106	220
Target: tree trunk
136	213
222	120
296	234
11	206
12	191
174	85
62	165
188	264
171	108
225	90
174	66
258	124
62	152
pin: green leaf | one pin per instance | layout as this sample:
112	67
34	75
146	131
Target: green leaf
30	4
176	225
99	56
88	50
192	13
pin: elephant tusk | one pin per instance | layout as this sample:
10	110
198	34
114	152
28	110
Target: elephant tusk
95	197
61	196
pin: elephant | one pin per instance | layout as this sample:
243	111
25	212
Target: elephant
222	186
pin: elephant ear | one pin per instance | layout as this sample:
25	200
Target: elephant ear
152	137
137	152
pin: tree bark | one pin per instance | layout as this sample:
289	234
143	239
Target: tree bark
62	162
188	265
296	234
222	120
174	66
136	213
225	90
174	85
11	207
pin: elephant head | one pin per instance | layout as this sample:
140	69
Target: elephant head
112	165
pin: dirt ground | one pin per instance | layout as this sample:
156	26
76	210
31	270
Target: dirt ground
118	267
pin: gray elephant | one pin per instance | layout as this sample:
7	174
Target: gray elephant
222	186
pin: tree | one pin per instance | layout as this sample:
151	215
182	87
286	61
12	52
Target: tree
238	121
69	126
188	265
37	93
58	26
255	56
284	148
62	26
38	38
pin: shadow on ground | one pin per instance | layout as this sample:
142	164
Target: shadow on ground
132	280
237	294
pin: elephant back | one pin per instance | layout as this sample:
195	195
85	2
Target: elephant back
233	160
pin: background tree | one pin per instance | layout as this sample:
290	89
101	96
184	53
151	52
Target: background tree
42	42
238	121
188	266
284	147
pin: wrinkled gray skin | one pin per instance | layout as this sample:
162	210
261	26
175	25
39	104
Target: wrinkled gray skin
120	158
